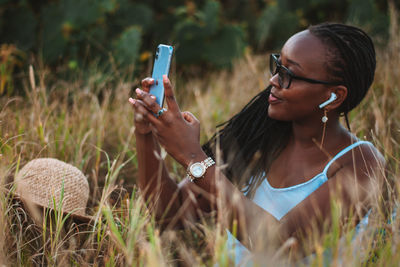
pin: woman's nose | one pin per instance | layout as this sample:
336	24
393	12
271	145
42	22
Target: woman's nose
274	80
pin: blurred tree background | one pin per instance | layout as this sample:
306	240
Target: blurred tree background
121	35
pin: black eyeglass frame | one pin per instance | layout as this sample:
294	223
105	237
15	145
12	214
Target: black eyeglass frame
274	58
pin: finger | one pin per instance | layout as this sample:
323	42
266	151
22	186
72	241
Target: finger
186	117
189	117
149	100
153	129
136	103
147	83
169	95
141	108
139	117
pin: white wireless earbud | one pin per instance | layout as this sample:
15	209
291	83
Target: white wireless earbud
330	100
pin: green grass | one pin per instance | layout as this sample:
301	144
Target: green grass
68	121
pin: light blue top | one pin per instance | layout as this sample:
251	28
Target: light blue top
279	201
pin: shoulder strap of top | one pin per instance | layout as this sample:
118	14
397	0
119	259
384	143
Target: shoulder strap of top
341	153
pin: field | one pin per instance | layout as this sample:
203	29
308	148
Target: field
86	123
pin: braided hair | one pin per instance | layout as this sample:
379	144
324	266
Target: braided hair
350	59
251	140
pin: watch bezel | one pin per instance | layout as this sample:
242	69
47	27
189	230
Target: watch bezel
203	169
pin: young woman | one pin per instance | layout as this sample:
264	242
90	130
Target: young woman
284	158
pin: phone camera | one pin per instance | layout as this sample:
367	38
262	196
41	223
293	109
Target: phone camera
156	56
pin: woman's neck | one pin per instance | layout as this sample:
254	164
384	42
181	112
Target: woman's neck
310	134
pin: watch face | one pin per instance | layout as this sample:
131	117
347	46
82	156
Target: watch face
197	170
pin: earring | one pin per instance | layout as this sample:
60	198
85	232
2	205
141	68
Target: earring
325	117
324	120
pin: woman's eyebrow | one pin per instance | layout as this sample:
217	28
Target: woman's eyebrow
293	62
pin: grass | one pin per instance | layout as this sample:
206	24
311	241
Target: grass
67	120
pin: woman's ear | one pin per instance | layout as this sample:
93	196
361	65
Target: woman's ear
341	94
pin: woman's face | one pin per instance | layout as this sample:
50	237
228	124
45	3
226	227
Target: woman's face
304	55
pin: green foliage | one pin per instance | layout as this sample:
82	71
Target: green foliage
128	14
276	24
69	24
211	32
366	13
265	23
11	58
127	46
203	38
228	44
20	28
53	41
209	16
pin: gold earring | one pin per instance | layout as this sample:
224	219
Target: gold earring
325	117
324	120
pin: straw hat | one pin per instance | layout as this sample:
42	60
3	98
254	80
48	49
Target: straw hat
41	181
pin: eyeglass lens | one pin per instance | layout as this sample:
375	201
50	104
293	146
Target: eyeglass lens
283	75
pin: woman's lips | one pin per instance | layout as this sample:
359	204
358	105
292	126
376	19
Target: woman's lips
272	99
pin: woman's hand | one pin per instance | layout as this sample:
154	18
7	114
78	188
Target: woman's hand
178	132
141	122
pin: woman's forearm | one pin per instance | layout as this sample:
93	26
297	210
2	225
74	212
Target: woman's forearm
154	181
234	210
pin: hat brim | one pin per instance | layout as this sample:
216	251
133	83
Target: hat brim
28	202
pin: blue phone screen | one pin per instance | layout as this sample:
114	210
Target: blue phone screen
161	67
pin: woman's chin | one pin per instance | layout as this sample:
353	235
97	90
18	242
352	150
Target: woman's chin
276	115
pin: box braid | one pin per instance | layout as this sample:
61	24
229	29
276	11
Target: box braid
350	59
251	140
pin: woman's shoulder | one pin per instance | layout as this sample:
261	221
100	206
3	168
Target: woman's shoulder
370	154
365	158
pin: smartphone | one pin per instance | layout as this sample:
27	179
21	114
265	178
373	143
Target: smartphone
162	63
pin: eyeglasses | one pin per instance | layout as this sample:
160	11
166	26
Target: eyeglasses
285	75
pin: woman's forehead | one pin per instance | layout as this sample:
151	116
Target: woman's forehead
305	49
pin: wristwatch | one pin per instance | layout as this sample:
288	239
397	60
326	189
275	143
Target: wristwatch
198	169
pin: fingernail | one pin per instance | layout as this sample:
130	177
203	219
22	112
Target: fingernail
132	100
138	91
153	97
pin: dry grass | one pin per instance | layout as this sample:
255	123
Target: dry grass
70	122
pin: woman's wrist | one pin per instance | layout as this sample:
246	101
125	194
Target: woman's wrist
145	139
192	157
139	134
